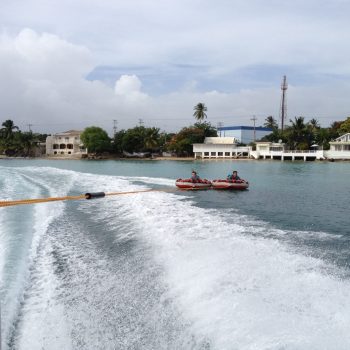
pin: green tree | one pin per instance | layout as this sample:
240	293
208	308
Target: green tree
322	137
270	122
298	135
7	133
182	142
138	139
199	111
151	139
8	128
208	129
133	140
345	126
118	141
95	139
314	124
27	142
275	136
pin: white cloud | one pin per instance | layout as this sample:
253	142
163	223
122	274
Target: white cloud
129	87
43	83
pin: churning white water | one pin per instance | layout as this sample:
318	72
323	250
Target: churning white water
156	271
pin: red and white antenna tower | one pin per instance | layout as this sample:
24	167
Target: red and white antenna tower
283	109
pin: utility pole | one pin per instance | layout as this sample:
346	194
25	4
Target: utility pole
141	122
283	107
254	119
115	123
219	126
30	127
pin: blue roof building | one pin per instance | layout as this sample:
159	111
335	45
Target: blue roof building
245	134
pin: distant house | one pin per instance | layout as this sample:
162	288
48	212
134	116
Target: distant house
339	148
220	147
244	134
66	143
341	143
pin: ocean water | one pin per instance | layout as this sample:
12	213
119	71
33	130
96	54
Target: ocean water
266	268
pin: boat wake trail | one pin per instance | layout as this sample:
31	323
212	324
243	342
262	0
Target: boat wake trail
156	271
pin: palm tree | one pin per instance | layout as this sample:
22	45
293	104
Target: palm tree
270	122
314	124
298	124
7	135
27	141
199	111
300	136
8	128
151	138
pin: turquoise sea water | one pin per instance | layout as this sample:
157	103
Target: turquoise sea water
266	268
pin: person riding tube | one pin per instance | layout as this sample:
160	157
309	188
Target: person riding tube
234	176
195	178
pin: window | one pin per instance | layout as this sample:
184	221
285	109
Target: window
213	154
55	152
220	154
70	146
62	146
227	154
55	146
69	152
206	154
66	139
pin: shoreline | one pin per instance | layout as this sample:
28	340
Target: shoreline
124	158
186	159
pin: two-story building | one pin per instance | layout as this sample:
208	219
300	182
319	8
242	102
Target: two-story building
339	148
66	143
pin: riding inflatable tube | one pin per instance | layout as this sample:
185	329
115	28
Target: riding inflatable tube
189	184
221	184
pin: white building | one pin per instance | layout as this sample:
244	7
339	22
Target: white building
339	148
66	143
244	134
271	150
220	147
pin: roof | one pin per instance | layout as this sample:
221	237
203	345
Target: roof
343	138
69	132
220	140
257	128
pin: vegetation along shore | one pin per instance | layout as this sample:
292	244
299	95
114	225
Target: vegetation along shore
143	142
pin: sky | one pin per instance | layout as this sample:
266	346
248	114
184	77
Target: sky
69	64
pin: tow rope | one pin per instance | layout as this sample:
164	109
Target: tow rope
73	198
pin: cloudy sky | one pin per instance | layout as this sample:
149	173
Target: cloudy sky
68	64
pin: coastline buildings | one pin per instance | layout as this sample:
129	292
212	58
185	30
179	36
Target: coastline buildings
277	151
66	143
339	149
226	147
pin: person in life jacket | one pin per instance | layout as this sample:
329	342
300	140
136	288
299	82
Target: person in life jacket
195	177
234	176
